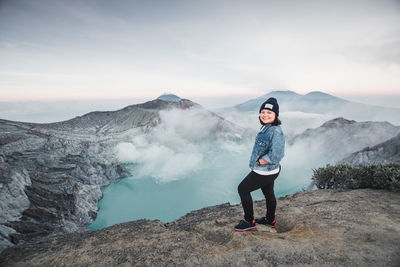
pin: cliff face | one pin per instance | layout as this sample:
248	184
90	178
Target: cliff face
50	181
315	228
385	152
51	174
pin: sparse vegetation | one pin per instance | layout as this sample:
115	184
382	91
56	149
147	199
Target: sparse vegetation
344	176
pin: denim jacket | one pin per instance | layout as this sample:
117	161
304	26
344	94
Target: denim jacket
270	146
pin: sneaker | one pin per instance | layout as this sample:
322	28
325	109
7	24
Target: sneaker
245	226
264	221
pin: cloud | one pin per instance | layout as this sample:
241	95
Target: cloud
208	47
188	125
155	160
176	148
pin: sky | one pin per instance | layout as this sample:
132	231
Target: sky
62	50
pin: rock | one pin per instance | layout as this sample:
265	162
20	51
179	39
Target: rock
265	228
315	228
5	234
13	199
382	153
86	199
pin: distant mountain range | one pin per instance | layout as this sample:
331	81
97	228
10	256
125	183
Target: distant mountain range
314	102
322	103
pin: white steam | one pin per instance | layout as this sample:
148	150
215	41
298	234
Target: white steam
159	161
179	126
177	147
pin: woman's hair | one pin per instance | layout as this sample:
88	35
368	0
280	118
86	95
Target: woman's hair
276	122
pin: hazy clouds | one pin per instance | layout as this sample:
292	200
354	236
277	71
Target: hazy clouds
97	49
182	144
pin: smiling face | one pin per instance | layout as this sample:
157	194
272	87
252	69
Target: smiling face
267	116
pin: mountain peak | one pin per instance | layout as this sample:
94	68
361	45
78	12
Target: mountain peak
321	96
169	98
318	93
278	93
337	122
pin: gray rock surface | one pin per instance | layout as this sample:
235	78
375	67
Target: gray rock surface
385	152
315	228
43	178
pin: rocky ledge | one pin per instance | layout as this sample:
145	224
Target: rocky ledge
315	228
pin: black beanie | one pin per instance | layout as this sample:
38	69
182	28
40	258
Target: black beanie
270	104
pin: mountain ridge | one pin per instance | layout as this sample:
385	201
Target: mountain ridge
321	103
385	152
287	96
339	137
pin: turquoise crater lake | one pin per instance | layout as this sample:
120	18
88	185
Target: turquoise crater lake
134	198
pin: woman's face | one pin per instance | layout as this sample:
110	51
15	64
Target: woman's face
267	116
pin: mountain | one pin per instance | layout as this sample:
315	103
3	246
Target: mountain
337	138
101	123
314	102
325	104
51	173
388	151
254	104
314	228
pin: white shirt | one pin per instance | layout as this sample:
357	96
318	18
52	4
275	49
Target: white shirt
274	171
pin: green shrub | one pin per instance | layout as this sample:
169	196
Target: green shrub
344	176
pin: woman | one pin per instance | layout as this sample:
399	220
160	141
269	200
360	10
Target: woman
267	152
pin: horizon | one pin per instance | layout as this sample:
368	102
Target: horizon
58	50
239	97
47	111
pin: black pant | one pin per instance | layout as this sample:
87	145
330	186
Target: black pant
254	181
